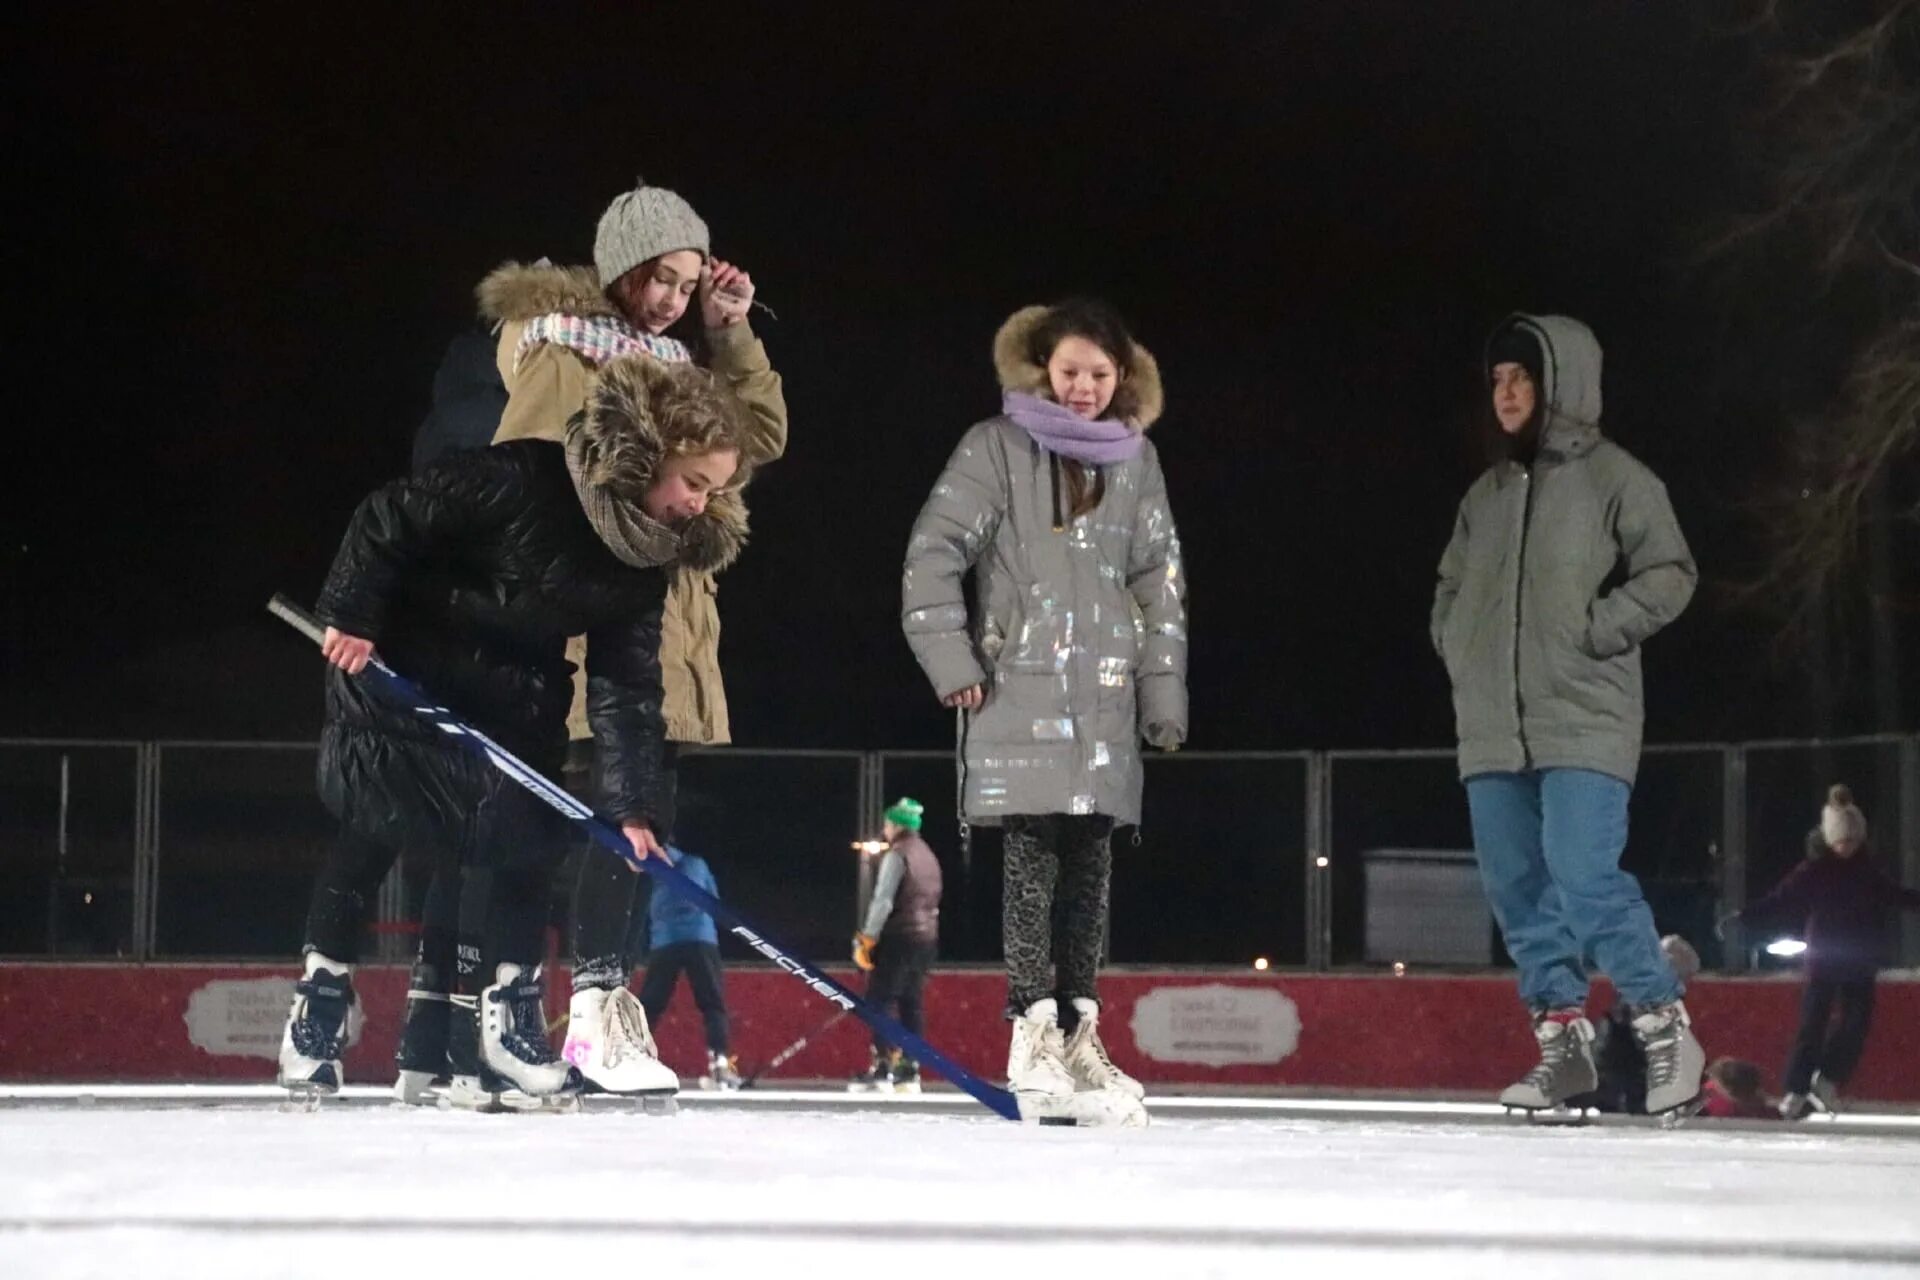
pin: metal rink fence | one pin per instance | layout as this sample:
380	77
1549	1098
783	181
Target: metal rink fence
178	849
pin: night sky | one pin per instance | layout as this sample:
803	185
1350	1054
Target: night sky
247	241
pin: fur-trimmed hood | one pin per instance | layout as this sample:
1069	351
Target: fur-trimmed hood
513	292
1139	400
636	412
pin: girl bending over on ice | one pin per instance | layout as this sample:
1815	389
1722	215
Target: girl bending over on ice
470	577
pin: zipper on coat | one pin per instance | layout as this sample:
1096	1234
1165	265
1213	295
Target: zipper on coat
1519	588
1053	475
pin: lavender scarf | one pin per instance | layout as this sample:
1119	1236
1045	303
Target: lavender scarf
1060	430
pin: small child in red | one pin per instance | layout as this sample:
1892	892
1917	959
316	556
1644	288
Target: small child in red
1732	1092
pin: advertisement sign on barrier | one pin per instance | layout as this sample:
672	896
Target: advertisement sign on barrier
1216	1025
239	1018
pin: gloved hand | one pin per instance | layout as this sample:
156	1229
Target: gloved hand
863	952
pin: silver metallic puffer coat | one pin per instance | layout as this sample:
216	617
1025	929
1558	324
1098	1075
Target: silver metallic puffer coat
1081	638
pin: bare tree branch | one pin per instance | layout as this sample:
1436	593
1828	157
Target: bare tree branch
1836	123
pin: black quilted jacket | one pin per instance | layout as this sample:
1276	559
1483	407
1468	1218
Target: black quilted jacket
468	578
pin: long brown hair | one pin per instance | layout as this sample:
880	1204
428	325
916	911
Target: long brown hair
1098	323
1085	487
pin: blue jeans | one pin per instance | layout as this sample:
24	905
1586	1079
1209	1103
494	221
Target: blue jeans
1549	844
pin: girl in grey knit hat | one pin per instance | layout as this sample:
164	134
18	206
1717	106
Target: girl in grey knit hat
653	253
556	329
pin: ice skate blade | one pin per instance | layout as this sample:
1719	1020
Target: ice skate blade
591	1089
1674	1117
1090	1109
664	1104
418	1089
304	1098
1554	1116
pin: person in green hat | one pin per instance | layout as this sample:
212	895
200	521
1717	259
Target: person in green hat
897	942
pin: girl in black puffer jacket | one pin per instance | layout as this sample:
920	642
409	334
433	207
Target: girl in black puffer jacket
470	577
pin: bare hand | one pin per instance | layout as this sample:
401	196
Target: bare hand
970	697
726	292
645	843
349	653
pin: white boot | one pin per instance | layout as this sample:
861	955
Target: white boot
1035	1069
721	1073
1086	1057
1824	1095
318	1027
609	1041
416	1089
513	1037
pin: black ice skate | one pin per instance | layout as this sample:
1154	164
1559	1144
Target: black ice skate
513	1039
906	1075
422	1055
1824	1095
316	1029
878	1076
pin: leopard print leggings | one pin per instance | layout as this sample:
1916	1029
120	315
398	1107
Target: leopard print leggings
1047	855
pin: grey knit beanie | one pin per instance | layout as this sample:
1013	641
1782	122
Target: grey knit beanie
642	224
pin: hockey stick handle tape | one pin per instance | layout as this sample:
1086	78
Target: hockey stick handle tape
299	619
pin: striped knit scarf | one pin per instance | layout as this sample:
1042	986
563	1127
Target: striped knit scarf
597	339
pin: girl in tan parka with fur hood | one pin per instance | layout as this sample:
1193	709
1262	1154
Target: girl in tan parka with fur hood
558	327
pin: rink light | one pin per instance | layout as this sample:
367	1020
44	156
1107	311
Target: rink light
1321	863
1399	969
870	846
1786	947
1260	964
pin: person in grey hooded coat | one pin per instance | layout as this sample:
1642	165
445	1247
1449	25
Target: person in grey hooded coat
1077	652
1565	558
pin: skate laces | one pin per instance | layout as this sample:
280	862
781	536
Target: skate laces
627	1030
1086	1042
1028	1038
323	1016
525	1032
1556	1047
1660	1040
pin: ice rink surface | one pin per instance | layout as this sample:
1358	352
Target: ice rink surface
730	1191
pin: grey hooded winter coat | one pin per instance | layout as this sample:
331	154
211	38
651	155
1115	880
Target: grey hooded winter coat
1081	635
1555	576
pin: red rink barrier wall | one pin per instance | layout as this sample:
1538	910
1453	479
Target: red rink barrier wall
1460	1034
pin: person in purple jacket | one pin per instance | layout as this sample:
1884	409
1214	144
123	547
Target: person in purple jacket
1839	898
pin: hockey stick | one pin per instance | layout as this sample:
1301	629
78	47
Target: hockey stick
604	833
781	1058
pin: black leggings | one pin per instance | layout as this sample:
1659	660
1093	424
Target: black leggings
475	919
343	895
700	961
899	972
1068	857
1833	1056
605	896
